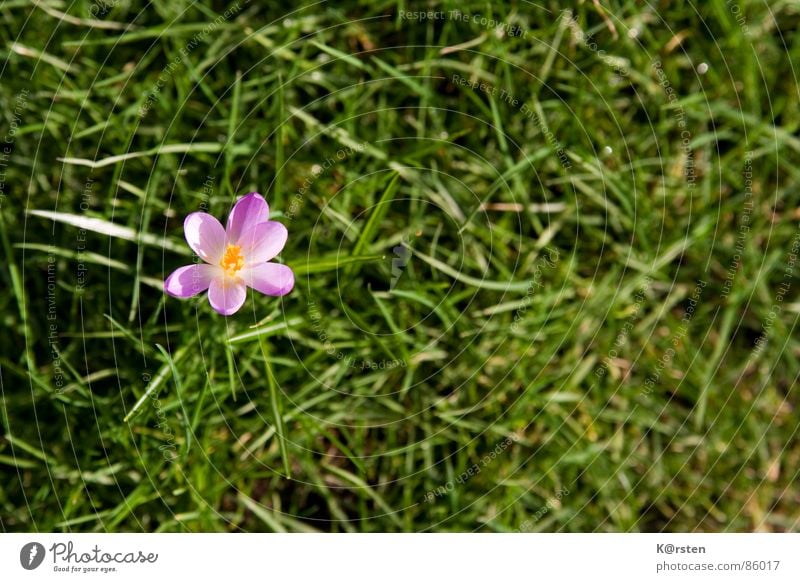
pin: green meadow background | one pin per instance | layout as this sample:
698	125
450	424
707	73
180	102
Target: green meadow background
546	262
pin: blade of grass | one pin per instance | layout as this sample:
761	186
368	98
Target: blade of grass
376	216
266	330
156	382
111	229
466	279
280	429
176	377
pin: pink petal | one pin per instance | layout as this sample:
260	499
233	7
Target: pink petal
227	295
190	280
263	242
248	211
269	278
205	235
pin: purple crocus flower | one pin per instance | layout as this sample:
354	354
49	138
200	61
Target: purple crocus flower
235	257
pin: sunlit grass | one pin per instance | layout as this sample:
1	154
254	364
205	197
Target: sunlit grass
557	221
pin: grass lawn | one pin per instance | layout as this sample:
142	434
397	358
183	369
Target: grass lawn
546	264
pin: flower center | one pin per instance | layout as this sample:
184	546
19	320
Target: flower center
233	260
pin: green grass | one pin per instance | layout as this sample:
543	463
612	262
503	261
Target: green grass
509	336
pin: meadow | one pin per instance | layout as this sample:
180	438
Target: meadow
546	264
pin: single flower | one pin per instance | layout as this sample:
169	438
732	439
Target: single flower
235	257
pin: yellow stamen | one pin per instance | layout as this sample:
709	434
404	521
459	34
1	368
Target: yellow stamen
233	260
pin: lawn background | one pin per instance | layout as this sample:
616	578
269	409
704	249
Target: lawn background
546	272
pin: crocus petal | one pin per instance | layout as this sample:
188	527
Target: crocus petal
263	242
227	294
205	235
190	280
248	211
269	278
